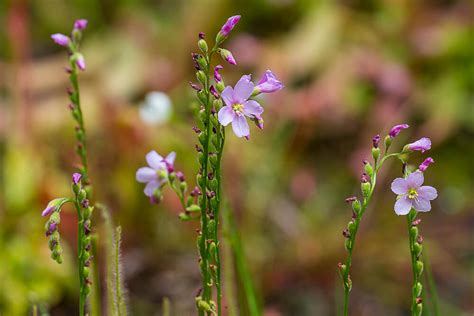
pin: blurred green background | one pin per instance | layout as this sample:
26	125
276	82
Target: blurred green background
352	69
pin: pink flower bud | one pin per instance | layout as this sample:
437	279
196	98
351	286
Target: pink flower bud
80	24
80	62
229	25
48	210
425	164
60	39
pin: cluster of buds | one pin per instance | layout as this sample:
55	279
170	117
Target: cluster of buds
53	210
85	210
72	43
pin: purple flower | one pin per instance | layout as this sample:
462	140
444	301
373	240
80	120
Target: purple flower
237	106
227	55
80	62
423	144
76	177
217	75
397	129
425	164
412	195
48	210
157	172
60	39
80	24
269	83
229	25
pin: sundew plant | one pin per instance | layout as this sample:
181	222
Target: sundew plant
82	190
80	180
220	105
412	197
223	110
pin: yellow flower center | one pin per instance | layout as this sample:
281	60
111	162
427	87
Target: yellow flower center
412	194
238	108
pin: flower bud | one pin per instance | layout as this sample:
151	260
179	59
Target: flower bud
417	248
369	169
356	206
418	309
365	188
387	142
193	208
417	288
348	244
376	141
220	86
80	24
61	39
183	186
351	226
85	271
201	77
227	56
419	268
414	232
375	153
202	45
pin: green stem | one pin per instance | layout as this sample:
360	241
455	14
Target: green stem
216	218
80	233
350	242
203	249
82	152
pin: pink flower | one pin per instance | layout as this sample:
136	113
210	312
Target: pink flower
397	129
80	24
156	174
60	39
423	144
411	194
229	25
238	105
425	164
269	83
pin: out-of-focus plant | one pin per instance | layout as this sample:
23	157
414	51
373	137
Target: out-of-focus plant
412	198
220	105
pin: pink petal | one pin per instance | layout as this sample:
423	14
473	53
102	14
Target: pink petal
415	179
145	174
154	160
243	89
427	192
228	95
403	205
252	108
399	186
171	158
151	187
226	115
421	205
240	126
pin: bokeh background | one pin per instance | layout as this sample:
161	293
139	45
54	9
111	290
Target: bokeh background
352	69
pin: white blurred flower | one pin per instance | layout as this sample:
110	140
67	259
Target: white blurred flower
156	109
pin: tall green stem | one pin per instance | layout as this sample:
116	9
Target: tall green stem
82	152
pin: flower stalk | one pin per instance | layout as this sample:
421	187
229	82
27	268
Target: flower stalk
80	181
